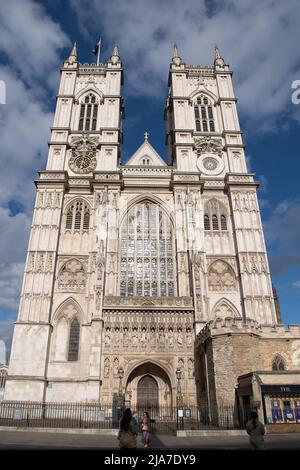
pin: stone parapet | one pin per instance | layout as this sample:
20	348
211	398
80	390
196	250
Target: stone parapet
230	325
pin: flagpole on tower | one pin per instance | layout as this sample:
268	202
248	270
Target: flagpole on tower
98	55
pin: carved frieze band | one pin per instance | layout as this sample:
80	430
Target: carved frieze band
148	302
148	335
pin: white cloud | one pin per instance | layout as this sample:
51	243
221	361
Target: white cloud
24	131
282	230
30	42
296	284
258	37
14	234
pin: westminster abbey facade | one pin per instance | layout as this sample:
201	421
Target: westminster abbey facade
131	268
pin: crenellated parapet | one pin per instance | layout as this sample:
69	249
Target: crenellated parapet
232	325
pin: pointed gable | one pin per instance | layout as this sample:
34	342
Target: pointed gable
146	155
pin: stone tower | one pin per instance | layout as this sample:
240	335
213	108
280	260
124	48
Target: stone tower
128	262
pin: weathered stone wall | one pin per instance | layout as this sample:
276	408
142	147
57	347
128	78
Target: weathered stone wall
234	348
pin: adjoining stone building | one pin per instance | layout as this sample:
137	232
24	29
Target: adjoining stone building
252	366
128	263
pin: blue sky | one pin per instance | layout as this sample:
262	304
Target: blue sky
258	38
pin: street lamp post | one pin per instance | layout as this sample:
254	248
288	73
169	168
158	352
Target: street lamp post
120	375
179	399
179	394
119	399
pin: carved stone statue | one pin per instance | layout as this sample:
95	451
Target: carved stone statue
107	338
179	337
190	368
106	367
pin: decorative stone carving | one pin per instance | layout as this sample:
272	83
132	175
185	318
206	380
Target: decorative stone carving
116	367
146	301
107	338
254	264
83	159
189	338
181	367
208	145
40	261
221	277
244	202
106	367
179	337
190	368
49	199
224	310
72	275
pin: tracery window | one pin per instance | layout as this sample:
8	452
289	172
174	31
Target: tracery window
147	252
74	340
278	363
221	277
214	217
88	113
78	217
204	116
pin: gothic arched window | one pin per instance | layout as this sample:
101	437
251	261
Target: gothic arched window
278	363
204	116
88	113
206	222
223	222
214	217
147	252
78	217
73	349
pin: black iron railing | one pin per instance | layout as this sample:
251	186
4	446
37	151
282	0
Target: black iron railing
164	419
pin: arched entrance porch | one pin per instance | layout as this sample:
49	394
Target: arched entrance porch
148	386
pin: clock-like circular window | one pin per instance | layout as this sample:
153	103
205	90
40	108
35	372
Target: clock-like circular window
210	163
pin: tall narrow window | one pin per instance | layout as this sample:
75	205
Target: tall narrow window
69	219
215	224
78	217
147	252
204	116
223	222
215	218
88	114
74	340
206	222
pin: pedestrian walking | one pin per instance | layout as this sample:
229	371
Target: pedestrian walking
135	422
146	429
256	431
127	433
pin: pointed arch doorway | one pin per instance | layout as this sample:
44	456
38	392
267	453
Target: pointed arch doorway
148	386
147	392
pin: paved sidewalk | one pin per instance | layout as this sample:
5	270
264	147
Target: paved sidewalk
46	440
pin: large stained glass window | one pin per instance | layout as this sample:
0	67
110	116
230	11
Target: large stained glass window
147	252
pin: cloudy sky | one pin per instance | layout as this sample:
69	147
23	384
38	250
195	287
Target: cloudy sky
258	38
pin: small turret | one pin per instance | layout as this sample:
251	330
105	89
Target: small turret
73	54
219	61
115	57
176	59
